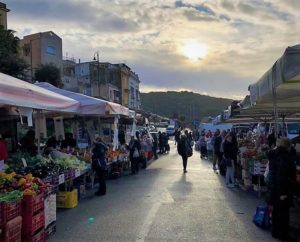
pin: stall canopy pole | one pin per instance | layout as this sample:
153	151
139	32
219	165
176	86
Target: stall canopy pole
116	133
274	97
39	131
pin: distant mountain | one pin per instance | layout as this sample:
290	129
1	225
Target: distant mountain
188	104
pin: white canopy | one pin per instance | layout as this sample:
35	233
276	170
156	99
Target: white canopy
15	92
285	76
88	105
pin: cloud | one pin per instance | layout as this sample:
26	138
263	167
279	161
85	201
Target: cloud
244	38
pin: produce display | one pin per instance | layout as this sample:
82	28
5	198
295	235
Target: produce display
12	185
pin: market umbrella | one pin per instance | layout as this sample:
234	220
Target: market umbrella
15	92
89	105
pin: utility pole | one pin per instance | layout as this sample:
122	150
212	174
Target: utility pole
98	70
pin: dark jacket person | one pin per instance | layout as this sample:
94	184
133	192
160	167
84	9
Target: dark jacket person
99	164
281	187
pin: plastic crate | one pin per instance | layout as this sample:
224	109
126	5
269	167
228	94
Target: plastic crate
2	219
32	204
12	230
38	237
31	224
50	190
10	211
67	199
50	230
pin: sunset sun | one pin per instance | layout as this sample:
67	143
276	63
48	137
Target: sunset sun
194	50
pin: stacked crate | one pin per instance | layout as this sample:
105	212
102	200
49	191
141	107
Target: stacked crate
33	218
10	221
50	211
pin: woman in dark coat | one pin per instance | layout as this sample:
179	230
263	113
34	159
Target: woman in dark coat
135	154
99	164
281	187
185	150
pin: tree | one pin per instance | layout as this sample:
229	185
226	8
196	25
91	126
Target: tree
181	120
48	73
10	61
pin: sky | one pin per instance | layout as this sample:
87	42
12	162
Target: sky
213	47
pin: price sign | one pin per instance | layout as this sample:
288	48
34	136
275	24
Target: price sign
61	179
24	162
77	173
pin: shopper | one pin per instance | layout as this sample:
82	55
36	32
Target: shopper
281	187
177	136
272	139
161	143
203	148
99	164
155	146
229	156
185	150
217	148
166	147
135	154
27	143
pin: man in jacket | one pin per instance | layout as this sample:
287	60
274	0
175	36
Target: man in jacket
281	187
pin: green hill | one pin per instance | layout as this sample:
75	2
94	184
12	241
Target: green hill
189	104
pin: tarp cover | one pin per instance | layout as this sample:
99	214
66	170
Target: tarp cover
286	75
89	105
15	92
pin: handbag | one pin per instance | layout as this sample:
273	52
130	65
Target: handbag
262	217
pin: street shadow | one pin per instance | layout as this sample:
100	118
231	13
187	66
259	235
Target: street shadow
182	188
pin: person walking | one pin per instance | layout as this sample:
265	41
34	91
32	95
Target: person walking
184	150
155	146
135	154
203	147
229	156
160	142
281	187
217	149
177	136
99	164
166	147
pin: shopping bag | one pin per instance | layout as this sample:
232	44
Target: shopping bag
262	217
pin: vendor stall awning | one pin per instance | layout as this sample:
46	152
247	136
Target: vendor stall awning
89	105
15	92
285	75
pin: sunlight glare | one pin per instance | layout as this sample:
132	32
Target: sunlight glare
194	50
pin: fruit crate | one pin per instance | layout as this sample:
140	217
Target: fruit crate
32	204
12	230
50	230
67	199
37	237
9	211
31	224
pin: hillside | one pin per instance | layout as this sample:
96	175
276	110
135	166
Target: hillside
189	104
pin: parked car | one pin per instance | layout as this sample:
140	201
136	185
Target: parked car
170	130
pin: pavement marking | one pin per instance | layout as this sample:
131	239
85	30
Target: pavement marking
148	222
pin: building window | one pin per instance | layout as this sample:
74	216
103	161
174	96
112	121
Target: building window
50	50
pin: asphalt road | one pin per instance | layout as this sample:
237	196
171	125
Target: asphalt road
163	204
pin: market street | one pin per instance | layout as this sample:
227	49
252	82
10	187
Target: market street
163	204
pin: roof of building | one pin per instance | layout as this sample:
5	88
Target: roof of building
3	7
